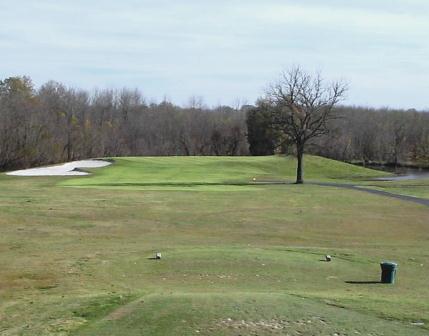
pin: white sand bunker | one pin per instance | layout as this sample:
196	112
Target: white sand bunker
66	169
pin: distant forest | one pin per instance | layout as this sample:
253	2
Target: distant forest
55	123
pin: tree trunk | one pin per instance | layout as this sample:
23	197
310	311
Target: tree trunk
299	167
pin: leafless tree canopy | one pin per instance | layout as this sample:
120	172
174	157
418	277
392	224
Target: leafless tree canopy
57	124
302	106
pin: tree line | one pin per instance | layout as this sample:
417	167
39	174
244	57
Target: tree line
55	123
356	134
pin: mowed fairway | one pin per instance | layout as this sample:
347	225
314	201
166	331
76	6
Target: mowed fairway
238	257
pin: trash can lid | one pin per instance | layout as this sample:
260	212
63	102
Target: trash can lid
389	263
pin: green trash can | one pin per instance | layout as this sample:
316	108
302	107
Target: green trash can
388	272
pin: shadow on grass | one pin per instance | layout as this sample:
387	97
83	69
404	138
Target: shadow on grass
189	184
363	282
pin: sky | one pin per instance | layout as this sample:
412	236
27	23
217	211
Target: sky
226	51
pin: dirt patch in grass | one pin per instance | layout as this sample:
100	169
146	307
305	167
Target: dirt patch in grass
123	311
36	279
273	326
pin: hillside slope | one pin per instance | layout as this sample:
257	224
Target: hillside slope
140	172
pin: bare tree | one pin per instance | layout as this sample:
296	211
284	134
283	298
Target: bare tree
302	105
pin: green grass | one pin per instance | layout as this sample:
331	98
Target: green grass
204	172
237	258
416	188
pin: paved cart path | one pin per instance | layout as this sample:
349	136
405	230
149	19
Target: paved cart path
418	200
413	199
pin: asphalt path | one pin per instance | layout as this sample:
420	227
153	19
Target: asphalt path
418	200
406	198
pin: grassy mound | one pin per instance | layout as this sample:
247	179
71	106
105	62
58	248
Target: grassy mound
238	314
203	172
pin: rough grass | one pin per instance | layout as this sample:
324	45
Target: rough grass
76	261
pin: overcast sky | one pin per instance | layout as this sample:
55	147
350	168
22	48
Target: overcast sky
222	50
